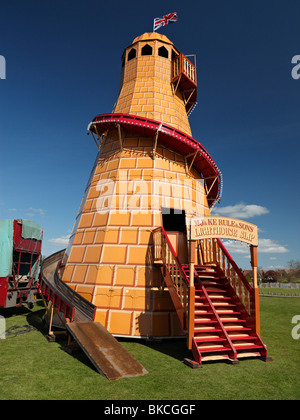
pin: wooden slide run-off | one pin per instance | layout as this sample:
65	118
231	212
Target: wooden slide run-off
107	355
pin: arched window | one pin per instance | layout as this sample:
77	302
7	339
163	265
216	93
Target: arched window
147	50
132	54
163	52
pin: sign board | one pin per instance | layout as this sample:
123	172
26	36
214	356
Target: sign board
223	227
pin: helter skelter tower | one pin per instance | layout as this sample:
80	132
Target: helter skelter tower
149	172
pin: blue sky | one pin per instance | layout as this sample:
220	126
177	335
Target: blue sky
63	67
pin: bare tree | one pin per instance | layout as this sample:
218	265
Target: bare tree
294	264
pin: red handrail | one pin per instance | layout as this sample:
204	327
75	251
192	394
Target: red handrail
234	265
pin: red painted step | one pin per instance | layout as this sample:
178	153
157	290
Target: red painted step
213	349
218	320
248	347
248	337
210	339
205	321
206	331
235	329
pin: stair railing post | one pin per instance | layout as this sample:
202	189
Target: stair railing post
191	294
192	261
163	251
256	314
191	318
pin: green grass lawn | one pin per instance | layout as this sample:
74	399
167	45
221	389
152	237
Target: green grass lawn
33	368
274	291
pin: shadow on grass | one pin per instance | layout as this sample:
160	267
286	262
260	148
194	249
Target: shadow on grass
36	319
10	312
175	348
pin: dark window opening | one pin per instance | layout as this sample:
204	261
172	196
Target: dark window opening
173	219
23	262
147	50
174	55
163	52
132	54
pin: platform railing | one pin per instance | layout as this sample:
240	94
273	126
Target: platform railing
182	65
212	251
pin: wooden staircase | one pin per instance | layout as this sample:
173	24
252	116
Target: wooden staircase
217	307
221	328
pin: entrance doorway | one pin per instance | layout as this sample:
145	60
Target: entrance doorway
173	219
175	226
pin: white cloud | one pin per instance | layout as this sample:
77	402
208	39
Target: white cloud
236	247
40	211
275	267
31	211
269	246
265	246
62	240
241	211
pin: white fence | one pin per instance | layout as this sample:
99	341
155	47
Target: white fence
281	285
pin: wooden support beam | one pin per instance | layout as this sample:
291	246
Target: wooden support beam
187	100
253	251
97	132
190	154
97	144
192	260
256	312
188	168
192	252
191	316
210	177
155	143
99	139
205	187
50	336
120	136
213	183
214	177
175	90
155	140
190	108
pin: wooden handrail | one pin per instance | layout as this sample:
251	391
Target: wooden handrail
181	64
174	253
234	265
174	274
214	252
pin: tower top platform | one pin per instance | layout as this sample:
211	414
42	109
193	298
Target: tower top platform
152	36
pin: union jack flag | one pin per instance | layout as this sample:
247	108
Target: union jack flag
164	20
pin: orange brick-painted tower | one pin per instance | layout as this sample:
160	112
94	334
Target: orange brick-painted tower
149	172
